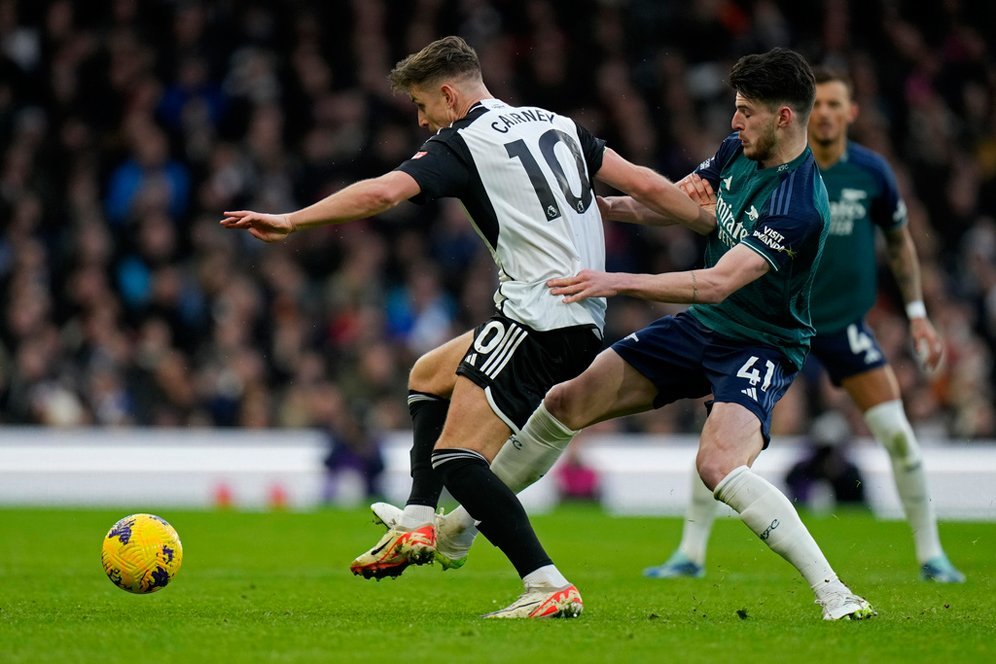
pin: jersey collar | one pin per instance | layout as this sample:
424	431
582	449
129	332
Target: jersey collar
478	108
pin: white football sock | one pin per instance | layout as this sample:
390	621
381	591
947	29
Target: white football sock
414	516
772	517
548	575
888	423
699	517
466	522
527	456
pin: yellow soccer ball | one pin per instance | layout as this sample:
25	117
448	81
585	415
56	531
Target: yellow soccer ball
141	553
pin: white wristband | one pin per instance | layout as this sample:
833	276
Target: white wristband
916	309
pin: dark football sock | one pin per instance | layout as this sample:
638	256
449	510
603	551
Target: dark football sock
503	520
428	413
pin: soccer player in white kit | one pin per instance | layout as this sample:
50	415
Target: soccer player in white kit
525	176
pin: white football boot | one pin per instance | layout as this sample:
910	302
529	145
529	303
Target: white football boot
543	602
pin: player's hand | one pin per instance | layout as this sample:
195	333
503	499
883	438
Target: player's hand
584	284
927	344
698	189
265	227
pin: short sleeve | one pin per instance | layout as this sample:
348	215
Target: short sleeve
780	238
888	211
593	149
438	170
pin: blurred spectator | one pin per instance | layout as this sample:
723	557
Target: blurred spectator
825	476
576	480
149	180
353	463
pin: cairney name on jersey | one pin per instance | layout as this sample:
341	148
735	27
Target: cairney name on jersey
524	115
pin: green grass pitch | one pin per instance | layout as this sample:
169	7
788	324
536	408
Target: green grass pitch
275	587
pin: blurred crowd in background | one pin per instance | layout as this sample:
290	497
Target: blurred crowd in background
128	126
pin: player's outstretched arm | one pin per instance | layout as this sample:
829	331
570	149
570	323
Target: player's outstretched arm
658	201
737	268
359	200
905	267
628	210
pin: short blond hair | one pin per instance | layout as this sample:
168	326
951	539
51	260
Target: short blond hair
446	58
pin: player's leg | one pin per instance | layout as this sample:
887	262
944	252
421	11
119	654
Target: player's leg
611	387
731	440
524	458
533	448
530	453
655	362
471	437
747	382
430	385
504	375
688	560
608	388
876	394
411	534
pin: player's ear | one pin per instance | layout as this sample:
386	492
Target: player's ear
449	94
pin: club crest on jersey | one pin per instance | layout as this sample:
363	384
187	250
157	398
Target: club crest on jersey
752	213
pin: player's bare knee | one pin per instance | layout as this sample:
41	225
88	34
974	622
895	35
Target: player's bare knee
710	472
561	403
426	376
715	464
420	375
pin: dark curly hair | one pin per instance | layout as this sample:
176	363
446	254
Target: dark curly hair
778	76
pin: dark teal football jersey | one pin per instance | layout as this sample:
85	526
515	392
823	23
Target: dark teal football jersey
863	196
783	214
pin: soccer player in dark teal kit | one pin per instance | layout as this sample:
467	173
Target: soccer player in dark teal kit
743	339
863	196
747	332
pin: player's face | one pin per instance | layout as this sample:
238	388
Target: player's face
755	124
434	111
832	113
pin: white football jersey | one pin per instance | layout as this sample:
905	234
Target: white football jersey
525	177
